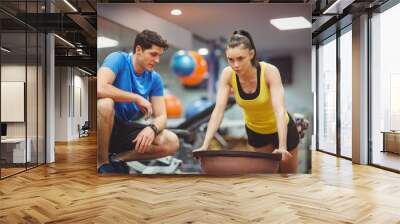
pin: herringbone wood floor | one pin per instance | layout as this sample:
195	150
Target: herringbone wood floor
70	191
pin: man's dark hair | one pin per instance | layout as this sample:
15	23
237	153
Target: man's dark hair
147	38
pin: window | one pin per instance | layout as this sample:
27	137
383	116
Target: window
346	93
327	96
385	89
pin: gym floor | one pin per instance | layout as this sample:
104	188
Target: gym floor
70	191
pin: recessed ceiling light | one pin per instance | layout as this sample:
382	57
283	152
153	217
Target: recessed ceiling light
291	23
203	51
104	42
176	12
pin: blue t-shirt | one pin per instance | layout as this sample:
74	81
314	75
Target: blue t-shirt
147	84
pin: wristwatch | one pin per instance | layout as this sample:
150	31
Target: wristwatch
154	128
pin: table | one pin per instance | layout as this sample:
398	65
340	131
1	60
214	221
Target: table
13	150
391	141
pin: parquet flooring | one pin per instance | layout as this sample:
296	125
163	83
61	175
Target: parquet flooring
70	191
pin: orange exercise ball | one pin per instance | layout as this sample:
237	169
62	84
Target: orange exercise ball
199	72
173	106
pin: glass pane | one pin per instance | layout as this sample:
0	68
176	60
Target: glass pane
13	85
346	94
31	101
327	96
386	89
41	98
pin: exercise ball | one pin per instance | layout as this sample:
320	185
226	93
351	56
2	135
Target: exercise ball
173	106
199	73
197	107
182	63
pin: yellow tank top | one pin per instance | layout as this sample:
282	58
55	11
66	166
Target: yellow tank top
259	115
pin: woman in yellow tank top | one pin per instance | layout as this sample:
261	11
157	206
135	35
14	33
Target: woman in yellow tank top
258	90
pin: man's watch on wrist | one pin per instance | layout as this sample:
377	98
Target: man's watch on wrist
154	128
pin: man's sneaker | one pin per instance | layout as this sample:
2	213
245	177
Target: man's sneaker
106	168
115	166
119	164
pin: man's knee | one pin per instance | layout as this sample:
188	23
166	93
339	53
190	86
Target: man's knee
105	107
171	142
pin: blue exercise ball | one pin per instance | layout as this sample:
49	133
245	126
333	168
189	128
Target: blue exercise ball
197	107
182	63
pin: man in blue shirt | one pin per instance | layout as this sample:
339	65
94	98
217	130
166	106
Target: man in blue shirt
127	89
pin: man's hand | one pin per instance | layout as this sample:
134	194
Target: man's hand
285	154
144	105
144	140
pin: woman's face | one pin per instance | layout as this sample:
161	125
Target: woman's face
239	58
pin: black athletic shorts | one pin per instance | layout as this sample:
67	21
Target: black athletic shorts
259	140
122	135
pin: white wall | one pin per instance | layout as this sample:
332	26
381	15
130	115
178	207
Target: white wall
125	14
69	85
61	103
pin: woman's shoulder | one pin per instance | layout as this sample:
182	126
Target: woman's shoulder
271	72
227	70
268	66
226	74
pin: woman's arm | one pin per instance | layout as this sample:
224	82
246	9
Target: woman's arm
274	82
218	112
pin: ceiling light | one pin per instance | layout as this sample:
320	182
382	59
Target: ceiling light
203	51
70	5
104	42
176	12
65	41
291	23
5	49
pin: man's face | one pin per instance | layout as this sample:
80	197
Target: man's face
149	57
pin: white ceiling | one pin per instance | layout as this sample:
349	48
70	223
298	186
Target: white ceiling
211	21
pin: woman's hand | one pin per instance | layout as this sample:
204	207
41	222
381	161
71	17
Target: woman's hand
202	148
285	154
